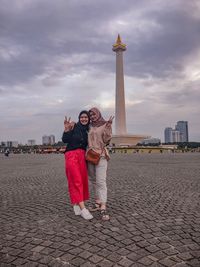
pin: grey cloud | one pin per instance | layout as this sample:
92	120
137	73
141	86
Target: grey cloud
163	53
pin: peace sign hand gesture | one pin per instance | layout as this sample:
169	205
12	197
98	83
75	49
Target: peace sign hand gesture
68	124
109	122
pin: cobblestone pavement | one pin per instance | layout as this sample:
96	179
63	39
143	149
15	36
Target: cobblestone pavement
154	203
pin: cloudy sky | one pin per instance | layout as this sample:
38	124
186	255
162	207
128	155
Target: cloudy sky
56	59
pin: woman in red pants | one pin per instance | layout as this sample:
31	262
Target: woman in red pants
76	138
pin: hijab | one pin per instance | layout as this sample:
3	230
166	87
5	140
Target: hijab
100	120
83	128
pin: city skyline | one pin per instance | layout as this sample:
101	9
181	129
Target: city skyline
180	133
67	65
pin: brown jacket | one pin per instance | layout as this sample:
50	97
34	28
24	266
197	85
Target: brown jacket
98	138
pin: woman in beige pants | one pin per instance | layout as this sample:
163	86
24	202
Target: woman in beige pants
99	136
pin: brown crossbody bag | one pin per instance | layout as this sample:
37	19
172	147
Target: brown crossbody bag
93	156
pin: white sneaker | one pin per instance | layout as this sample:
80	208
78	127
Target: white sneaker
86	214
77	210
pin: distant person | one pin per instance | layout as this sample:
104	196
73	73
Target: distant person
7	152
76	137
99	136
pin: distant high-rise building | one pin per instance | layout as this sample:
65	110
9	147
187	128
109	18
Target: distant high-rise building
182	127
52	139
168	135
12	144
31	142
48	139
175	136
171	135
3	143
45	140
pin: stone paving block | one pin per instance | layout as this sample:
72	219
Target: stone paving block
94	249
163	245
175	258
67	257
46	259
8	258
28	247
143	244
125	262
88	264
19	261
114	257
19	245
194	263
152	248
196	253
46	251
95	259
75	251
37	248
167	262
45	243
134	256
31	264
105	263
159	255
57	253
15	252
185	256
123	251
113	241
35	256
104	252
181	264
77	261
85	246
85	254
170	251
25	254
55	263
145	261
155	264
56	245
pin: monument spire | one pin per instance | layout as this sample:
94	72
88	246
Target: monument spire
120	113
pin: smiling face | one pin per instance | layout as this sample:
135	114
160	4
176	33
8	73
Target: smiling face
93	116
84	119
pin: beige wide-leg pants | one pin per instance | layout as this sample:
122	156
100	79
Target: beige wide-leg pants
97	176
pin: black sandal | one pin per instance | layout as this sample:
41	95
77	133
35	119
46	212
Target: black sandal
104	215
95	207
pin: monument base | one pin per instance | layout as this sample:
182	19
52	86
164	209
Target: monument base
127	139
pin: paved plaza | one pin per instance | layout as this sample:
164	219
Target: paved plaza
154	203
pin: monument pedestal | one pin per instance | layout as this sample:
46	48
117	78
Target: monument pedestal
127	139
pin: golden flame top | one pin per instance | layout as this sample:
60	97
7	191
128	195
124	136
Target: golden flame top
119	43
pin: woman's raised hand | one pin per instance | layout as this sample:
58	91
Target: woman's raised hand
109	122
68	124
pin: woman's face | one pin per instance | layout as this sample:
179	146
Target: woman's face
84	119
93	116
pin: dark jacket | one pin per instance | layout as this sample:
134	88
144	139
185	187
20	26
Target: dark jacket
76	138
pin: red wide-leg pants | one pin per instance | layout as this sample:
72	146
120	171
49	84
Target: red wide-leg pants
77	176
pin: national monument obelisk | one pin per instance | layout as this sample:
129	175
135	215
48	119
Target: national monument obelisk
121	137
120	112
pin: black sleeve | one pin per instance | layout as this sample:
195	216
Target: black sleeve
67	136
